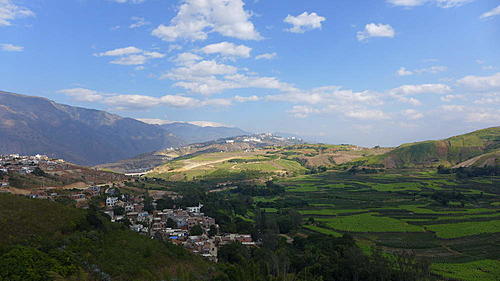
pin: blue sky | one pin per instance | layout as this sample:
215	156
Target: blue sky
377	72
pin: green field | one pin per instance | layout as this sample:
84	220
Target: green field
401	209
371	223
460	229
483	270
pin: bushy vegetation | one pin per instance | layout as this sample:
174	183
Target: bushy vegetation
43	240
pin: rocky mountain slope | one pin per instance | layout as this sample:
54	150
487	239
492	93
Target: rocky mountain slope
31	125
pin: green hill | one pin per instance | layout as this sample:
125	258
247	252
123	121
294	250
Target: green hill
450	151
43	240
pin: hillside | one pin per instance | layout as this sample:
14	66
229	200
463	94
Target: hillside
148	161
43	240
449	152
31	125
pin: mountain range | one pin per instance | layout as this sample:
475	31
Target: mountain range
34	125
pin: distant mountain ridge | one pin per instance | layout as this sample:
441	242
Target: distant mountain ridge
31	125
197	134
448	152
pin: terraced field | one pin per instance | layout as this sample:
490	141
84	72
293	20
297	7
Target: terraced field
401	210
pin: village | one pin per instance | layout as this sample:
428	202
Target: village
188	227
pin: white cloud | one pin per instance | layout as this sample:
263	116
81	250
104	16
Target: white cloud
120	52
412	114
453	108
302	111
266	56
81	94
138	22
130	56
246	99
11	48
130	60
421	89
304	22
196	19
432	70
227	49
451	3
404	72
489	99
9	12
197	123
449	98
187	58
483	117
129	1
481	83
439	3
200	69
491	13
407	3
367	114
376	30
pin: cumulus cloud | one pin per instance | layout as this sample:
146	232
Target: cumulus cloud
491	13
187	58
449	98
128	1
453	108
266	56
246	99
376	30
9	12
138	22
412	114
130	56
489	99
481	83
302	111
197	123
303	22
403	72
421	89
484	116
432	70
82	94
367	114
227	49
11	48
196	19
439	3
139	102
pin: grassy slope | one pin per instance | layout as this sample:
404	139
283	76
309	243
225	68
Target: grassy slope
449	151
90	242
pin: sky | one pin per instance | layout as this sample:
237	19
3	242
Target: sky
365	72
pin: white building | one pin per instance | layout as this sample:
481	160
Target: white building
195	210
111	201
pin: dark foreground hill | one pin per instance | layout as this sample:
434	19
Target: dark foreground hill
44	240
448	152
31	125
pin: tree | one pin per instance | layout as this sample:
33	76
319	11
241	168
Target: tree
171	223
118	210
196	230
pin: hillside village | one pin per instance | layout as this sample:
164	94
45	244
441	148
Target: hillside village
187	227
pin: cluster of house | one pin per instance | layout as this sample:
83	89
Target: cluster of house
81	197
175	225
15	163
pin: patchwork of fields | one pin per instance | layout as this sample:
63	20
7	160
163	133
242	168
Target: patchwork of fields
404	210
